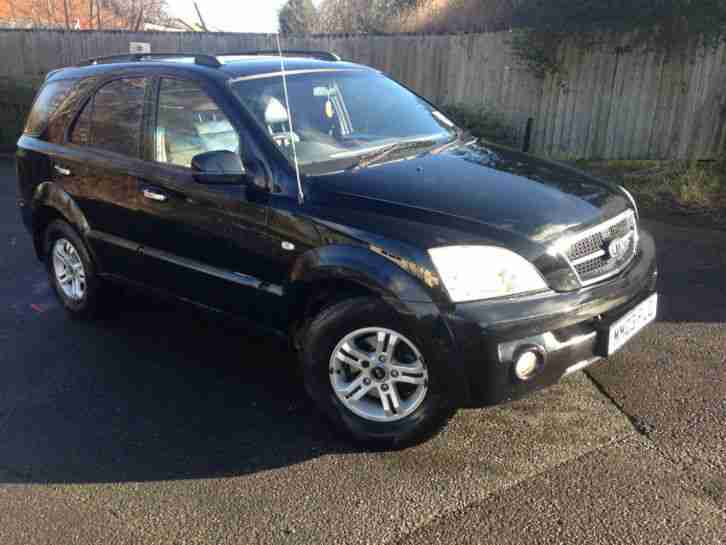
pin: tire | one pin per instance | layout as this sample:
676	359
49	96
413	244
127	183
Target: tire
366	421
85	302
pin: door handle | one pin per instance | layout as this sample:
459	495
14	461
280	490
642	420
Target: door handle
154	195
60	170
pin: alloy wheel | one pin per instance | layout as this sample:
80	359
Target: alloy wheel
68	269
378	374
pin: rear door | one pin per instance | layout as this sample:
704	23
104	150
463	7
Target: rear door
102	167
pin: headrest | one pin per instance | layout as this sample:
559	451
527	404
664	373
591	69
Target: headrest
214	127
275	112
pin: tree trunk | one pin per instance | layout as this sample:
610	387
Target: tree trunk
67	14
50	13
139	19
13	15
201	19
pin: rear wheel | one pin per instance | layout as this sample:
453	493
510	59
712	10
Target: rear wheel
71	270
370	374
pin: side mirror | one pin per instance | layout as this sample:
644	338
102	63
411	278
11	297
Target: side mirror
218	167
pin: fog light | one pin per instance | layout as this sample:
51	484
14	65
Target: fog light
528	364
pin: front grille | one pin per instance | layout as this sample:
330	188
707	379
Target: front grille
589	252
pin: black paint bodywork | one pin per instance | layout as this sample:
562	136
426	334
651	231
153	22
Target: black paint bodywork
365	230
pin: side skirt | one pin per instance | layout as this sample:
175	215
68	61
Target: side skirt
239	320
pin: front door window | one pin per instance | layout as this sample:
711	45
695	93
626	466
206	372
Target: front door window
189	123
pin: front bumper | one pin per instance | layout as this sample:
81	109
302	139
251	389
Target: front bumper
571	327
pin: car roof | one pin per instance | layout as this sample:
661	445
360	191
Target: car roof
232	67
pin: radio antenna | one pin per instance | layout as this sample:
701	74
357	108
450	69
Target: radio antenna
300	194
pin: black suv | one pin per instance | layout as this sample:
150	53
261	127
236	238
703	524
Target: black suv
414	270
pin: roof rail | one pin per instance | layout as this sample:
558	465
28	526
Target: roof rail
208	60
201	59
321	55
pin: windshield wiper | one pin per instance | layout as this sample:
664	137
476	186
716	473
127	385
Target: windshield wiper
462	139
381	153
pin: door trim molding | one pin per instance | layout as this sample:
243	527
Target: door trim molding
113	239
230	276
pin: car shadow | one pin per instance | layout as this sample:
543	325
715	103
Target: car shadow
158	392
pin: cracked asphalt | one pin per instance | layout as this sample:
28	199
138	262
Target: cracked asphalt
163	425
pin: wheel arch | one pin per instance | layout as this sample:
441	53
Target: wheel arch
324	276
51	202
362	266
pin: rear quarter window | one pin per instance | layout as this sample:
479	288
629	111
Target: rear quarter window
50	97
55	107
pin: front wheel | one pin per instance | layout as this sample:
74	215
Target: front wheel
369	373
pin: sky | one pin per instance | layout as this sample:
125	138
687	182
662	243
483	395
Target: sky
232	15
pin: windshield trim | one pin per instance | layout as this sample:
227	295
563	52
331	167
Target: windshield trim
278	74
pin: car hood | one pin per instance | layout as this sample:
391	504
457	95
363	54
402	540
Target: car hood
478	192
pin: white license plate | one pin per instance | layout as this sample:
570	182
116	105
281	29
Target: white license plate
629	325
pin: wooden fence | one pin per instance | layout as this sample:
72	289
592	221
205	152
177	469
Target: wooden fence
613	103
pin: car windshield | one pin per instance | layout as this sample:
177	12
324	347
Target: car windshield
343	118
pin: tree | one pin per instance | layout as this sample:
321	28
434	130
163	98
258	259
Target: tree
457	16
297	17
360	16
82	14
653	16
665	18
663	24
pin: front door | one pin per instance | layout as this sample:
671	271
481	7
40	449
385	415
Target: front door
206	243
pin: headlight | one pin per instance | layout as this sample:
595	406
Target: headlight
471	273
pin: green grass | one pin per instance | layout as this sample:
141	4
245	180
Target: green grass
689	184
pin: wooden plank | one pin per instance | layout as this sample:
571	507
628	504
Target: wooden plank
715	146
559	104
584	107
681	88
662	112
546	113
649	104
615	114
629	106
595	99
610	122
690	102
699	133
577	61
718	142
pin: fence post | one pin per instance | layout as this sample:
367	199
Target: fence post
527	135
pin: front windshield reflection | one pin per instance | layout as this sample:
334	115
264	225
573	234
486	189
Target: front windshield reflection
336	117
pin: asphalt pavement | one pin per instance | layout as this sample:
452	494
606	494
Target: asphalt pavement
161	424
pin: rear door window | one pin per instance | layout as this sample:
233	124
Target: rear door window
81	133
112	118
